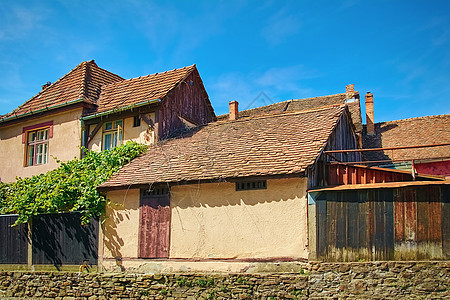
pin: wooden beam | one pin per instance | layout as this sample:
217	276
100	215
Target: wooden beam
148	121
93	133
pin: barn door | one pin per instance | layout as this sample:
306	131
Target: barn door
154	232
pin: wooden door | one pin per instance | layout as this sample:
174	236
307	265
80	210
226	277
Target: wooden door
154	233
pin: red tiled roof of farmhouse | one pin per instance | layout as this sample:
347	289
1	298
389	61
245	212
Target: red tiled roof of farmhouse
107	91
410	132
126	93
80	84
275	144
303	104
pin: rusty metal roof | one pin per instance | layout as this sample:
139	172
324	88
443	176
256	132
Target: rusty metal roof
386	185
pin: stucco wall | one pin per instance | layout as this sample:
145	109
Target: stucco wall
64	145
142	134
213	221
216	221
121	228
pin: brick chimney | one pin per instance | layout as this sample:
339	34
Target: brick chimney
349	91
233	110
369	114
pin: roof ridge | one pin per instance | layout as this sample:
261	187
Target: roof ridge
288	101
83	89
145	76
279	114
415	118
42	91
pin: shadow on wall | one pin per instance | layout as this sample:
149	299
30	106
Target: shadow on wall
225	194
117	214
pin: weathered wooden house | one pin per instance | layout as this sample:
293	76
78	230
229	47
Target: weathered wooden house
94	108
395	211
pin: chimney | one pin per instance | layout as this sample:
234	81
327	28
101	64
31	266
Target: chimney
369	114
349	91
233	110
46	85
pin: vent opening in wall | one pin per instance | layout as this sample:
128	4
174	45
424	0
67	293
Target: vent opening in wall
157	190
251	185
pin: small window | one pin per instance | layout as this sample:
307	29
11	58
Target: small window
112	134
37	147
251	185
136	121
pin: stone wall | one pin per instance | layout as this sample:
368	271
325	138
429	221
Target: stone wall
379	280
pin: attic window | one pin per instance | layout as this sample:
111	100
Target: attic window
251	185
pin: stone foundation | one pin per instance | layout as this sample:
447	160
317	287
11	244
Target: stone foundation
375	280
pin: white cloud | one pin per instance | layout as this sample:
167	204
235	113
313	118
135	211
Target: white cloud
20	22
280	27
258	89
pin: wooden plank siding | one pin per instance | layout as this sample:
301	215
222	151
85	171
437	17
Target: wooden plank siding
342	138
13	241
61	239
405	223
154	231
341	174
188	100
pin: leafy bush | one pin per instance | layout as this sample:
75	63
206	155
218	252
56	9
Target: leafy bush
70	187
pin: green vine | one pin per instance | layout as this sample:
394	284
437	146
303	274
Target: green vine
70	187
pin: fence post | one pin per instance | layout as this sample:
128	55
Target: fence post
30	244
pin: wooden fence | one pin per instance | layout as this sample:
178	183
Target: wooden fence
402	223
13	241
56	239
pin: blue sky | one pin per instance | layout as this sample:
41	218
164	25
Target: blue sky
255	52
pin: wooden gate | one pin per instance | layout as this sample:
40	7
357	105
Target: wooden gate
154	231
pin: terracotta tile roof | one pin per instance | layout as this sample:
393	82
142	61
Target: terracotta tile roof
142	89
82	83
267	145
305	104
410	132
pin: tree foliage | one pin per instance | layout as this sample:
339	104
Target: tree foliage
70	187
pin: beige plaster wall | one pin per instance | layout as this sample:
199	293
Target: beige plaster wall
121	228
65	145
142	134
215	221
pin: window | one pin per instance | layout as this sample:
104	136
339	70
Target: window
136	121
37	146
251	185
112	134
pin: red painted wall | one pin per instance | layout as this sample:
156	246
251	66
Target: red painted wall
434	168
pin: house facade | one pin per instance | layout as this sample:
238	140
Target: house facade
231	191
93	108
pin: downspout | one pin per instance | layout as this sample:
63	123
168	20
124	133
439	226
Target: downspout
83	138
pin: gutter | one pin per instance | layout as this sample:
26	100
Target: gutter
42	109
121	109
